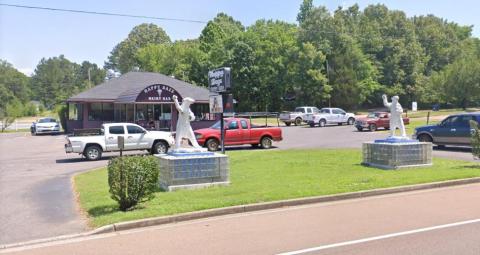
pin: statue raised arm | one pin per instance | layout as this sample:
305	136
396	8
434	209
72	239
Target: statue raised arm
385	102
396	120
177	105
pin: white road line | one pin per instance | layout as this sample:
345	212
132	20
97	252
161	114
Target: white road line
369	239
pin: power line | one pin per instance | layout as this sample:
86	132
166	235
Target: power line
101	13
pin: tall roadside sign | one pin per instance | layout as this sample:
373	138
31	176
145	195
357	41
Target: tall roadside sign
220	86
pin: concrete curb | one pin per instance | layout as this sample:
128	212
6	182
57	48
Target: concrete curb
273	205
245	208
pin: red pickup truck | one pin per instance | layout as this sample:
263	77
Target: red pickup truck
238	131
375	120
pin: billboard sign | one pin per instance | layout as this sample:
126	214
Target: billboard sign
219	80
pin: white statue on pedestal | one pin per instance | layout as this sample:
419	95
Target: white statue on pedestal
184	130
396	120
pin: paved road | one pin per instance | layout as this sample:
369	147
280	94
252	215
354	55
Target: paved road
314	226
35	177
35	189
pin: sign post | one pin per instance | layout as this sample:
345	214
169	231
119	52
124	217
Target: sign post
219	83
121	144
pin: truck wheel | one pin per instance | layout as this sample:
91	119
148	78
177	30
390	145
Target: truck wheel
298	121
288	124
93	152
212	144
322	123
160	147
266	142
360	129
372	127
351	121
425	138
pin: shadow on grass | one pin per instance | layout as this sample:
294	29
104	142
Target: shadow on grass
103	210
469	167
450	148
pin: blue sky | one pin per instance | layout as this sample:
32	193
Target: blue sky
28	35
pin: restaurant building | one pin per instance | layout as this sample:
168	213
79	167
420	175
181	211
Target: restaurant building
137	97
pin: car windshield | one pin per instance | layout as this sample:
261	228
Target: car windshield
217	125
46	120
373	115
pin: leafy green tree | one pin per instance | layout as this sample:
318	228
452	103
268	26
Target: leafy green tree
305	10
10	112
55	80
13	84
458	83
311	85
122	57
89	75
274	46
182	59
219	32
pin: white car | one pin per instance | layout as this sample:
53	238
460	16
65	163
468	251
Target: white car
45	126
331	116
298	116
135	138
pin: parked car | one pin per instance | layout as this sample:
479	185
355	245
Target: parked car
45	126
331	116
375	120
238	131
298	116
453	130
136	138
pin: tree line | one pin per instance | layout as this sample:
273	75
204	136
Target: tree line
346	58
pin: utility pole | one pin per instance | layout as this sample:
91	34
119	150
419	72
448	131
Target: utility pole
328	81
89	78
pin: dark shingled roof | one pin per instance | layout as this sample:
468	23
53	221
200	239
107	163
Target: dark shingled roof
125	88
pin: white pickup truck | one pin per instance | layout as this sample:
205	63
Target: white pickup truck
331	116
298	116
135	138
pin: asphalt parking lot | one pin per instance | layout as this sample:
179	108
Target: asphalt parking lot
35	177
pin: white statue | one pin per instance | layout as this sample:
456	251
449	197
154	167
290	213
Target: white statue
184	130
396	120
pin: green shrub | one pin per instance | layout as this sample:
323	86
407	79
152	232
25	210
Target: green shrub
132	179
41	109
475	139
30	110
62	112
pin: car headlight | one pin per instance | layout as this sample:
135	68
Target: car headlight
198	136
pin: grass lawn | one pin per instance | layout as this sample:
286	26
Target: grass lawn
444	112
20	130
270	121
260	176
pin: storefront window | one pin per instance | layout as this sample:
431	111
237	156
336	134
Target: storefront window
129	112
166	112
95	112
201	111
120	112
107	109
141	113
75	111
